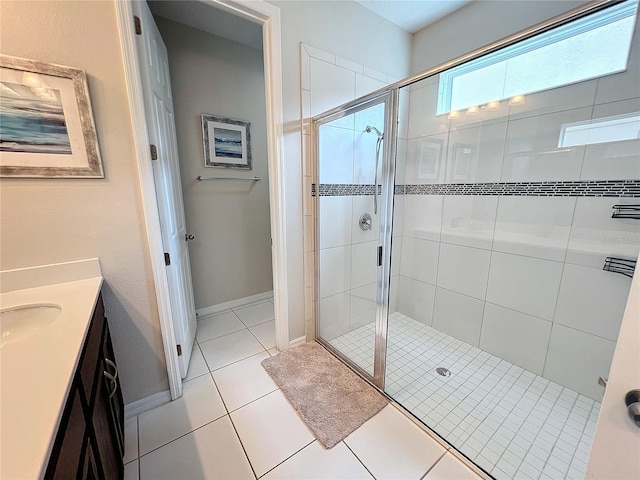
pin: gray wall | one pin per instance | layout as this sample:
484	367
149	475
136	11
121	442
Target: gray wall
45	221
231	254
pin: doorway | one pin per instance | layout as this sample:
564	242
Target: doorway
268	17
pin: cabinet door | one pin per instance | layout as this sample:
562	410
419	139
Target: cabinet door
91	352
116	400
67	450
90	466
108	449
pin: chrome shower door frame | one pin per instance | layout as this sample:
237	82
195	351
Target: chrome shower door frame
383	278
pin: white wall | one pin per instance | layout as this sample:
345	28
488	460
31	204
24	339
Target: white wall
46	221
478	24
231	253
356	34
346	268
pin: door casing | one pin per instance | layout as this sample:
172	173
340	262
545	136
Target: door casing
267	15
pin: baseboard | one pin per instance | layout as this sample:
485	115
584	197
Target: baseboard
140	406
297	341
221	307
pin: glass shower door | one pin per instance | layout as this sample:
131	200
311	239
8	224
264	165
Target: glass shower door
351	223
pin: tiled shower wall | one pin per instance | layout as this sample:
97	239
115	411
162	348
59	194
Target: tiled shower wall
520	274
347	288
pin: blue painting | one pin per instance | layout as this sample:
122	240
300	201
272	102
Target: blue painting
227	143
32	120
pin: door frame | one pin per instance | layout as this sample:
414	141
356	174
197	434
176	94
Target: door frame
389	98
267	15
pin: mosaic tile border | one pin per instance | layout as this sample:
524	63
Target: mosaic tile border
587	188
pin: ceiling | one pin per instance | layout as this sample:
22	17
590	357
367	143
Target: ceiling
213	20
413	15
410	15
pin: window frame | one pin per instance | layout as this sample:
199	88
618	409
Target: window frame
562	32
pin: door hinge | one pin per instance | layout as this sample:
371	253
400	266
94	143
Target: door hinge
167	259
379	256
154	152
179	347
138	24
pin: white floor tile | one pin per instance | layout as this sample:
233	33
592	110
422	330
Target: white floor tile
229	349
486	402
130	439
197	365
256	314
244	381
131	471
450	468
392	447
200	404
211	452
265	333
314	462
218	325
273	351
270	431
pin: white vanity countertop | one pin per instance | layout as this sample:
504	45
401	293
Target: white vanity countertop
36	372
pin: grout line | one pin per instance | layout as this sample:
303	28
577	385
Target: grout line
243	448
434	464
290	456
244	327
358	458
259	323
138	439
138	436
253	401
185	434
238	361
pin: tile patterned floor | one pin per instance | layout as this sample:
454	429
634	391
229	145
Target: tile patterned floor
232	422
509	421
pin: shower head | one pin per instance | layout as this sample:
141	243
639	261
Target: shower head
370	129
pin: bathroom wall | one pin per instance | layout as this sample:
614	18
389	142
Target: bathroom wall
231	252
478	24
355	34
520	274
45	221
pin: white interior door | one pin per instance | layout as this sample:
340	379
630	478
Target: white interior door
154	70
616	445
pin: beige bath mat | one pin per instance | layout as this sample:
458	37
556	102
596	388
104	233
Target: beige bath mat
331	399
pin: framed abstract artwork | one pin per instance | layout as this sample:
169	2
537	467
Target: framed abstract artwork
227	142
46	121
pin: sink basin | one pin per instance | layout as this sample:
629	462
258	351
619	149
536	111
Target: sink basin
18	323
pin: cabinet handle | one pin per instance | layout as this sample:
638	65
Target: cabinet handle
112	365
112	379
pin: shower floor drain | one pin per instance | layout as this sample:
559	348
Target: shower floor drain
443	371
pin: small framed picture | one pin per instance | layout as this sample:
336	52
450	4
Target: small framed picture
46	122
227	142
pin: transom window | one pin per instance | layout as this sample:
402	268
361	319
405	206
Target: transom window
587	48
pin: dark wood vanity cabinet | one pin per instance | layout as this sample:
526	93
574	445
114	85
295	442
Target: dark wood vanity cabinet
90	440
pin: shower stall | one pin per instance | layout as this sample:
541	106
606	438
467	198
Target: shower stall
476	229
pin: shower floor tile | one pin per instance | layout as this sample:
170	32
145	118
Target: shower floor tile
509	421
